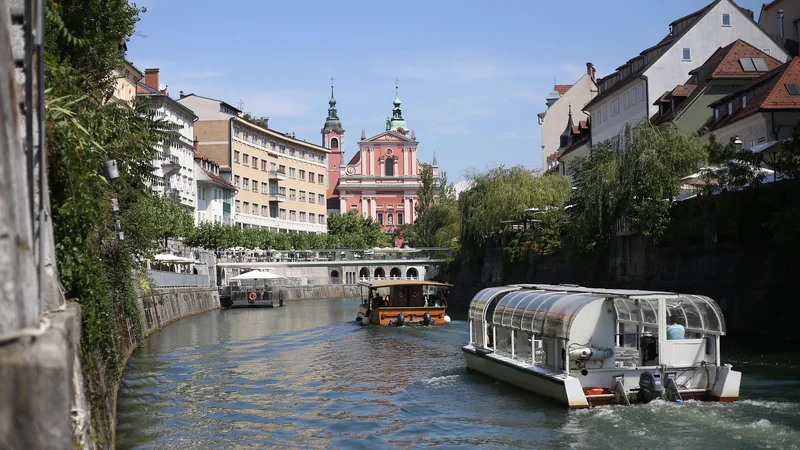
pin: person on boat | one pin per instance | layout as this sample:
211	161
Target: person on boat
386	301
675	331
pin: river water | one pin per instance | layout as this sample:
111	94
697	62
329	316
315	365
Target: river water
308	376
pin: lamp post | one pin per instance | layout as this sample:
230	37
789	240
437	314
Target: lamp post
737	143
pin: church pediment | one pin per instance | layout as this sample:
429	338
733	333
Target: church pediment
388	136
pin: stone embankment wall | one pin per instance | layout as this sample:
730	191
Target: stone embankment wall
168	305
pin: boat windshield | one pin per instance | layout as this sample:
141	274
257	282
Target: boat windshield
697	313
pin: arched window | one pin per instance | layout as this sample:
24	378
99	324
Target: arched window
380	274
363	273
412	274
389	167
395	273
335	277
334	143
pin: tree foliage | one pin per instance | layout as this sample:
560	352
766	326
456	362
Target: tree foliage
635	181
732	167
436	212
502	194
344	231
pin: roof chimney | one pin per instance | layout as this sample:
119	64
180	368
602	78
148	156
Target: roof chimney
780	22
182	94
590	70
151	78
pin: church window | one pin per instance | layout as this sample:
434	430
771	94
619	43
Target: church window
399	218
389	167
380	218
334	143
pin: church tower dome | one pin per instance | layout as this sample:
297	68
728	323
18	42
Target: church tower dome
397	122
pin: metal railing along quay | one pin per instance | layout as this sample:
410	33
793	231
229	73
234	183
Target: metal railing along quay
173	279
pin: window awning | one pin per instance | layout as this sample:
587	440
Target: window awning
543	313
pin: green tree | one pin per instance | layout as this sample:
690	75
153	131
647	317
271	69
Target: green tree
788	158
502	194
436	212
733	167
635	180
355	231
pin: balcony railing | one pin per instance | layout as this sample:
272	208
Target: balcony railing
173	279
276	175
276	197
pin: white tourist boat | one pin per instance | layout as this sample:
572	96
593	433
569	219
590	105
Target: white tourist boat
587	347
252	289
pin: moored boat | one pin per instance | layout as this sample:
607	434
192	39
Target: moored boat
403	302
250	290
588	347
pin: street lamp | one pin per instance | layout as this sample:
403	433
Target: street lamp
737	143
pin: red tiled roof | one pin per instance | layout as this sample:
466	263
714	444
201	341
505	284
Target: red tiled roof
723	64
729	66
663	99
562	88
683	90
772	95
779	97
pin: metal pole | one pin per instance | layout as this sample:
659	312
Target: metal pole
27	28
41	150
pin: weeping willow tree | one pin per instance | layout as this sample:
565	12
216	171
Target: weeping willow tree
501	195
636	179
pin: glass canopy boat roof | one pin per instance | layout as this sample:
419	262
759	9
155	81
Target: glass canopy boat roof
549	310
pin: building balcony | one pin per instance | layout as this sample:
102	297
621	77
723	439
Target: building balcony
173	194
276	175
276	197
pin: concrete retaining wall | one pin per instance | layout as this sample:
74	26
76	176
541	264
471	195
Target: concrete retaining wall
168	305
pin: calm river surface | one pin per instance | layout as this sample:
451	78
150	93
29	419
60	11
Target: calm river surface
308	376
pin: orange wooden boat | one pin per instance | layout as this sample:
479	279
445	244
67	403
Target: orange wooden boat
403	302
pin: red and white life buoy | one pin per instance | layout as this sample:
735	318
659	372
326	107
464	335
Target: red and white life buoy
252	297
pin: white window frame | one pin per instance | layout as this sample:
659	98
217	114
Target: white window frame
724	16
683	54
627	103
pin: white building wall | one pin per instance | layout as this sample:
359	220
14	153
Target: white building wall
670	70
555	119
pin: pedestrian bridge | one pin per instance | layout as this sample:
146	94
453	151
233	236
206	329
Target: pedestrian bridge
320	267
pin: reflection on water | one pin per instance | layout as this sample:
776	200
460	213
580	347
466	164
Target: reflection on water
308	376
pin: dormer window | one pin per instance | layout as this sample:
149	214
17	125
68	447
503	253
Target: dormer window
716	113
744	101
730	108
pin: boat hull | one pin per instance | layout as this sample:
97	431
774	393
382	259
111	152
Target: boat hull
256	304
569	390
387	316
566	390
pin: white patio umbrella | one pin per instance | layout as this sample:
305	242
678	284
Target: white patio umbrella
257	275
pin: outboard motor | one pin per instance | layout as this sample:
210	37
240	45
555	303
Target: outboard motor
650	386
401	320
426	318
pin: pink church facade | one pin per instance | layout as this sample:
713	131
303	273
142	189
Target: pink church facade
381	180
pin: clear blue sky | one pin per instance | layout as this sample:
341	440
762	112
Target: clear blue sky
473	74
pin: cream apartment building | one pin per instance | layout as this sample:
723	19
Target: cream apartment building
280	180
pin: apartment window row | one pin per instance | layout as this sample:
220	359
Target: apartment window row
303	216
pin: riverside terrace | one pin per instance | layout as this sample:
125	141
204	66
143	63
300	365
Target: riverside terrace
334	266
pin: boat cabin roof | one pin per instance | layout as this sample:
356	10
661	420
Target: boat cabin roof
392	283
549	311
